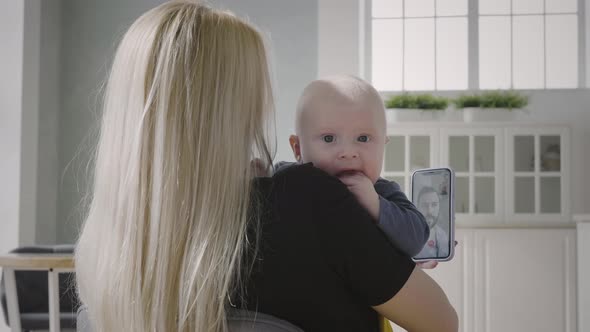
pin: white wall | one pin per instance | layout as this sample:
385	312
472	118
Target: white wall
19	67
11	59
29	115
339	37
11	35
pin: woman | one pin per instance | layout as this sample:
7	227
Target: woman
177	230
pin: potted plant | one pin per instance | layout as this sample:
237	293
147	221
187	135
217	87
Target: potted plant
490	106
422	107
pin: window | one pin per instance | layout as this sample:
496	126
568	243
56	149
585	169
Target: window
419	45
528	44
473	44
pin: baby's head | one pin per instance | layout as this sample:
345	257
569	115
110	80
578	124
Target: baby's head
340	127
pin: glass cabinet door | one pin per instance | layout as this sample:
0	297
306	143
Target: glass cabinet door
394	160
536	175
407	151
475	156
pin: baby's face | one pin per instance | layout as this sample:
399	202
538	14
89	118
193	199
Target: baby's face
340	136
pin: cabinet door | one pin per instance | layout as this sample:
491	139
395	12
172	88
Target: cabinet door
475	154
525	280
407	151
537	179
456	280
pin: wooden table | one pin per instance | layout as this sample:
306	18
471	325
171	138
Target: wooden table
53	264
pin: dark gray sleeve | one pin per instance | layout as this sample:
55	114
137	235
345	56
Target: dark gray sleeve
399	218
282	165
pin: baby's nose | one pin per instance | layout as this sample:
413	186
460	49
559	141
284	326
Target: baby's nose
348	154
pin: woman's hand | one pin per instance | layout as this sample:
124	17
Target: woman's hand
431	264
428	264
259	168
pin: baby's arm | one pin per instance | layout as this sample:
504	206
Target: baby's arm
399	219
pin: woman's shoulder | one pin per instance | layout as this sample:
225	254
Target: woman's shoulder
308	178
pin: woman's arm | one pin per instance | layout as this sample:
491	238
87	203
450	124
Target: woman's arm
420	305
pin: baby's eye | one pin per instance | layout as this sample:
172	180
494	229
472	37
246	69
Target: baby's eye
363	138
328	138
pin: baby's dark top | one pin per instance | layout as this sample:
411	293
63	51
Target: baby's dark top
322	263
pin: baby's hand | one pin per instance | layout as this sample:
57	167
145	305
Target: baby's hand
259	168
364	191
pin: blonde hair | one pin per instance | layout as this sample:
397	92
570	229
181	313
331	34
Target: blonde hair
185	111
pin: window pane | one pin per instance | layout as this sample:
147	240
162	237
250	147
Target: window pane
459	153
394	154
451	7
550	154
484	153
524	153
562	51
419	8
487	7
419	152
462	194
397	179
451	53
561	6
485	195
387	8
387	55
527	6
550	195
528	54
524	195
494	53
419	54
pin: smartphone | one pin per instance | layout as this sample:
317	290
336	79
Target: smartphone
433	193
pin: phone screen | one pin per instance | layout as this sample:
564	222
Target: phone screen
433	194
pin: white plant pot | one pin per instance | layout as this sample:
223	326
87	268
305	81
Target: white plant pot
409	115
453	115
476	114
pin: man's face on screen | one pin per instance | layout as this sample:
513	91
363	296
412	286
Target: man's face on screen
429	206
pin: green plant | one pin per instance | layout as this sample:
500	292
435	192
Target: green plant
493	99
420	102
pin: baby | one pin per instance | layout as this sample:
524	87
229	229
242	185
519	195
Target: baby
340	128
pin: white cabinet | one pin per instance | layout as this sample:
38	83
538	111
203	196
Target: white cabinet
519	280
409	149
476	156
506	174
515	266
537	174
512	280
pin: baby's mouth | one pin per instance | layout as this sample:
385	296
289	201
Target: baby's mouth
347	172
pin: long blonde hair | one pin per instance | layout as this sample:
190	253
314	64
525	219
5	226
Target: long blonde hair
185	110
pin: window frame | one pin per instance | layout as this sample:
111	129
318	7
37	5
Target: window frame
473	48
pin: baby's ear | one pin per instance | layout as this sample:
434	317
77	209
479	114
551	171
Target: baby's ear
295	146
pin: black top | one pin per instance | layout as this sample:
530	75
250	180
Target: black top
322	262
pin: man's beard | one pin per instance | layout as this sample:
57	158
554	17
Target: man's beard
431	221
